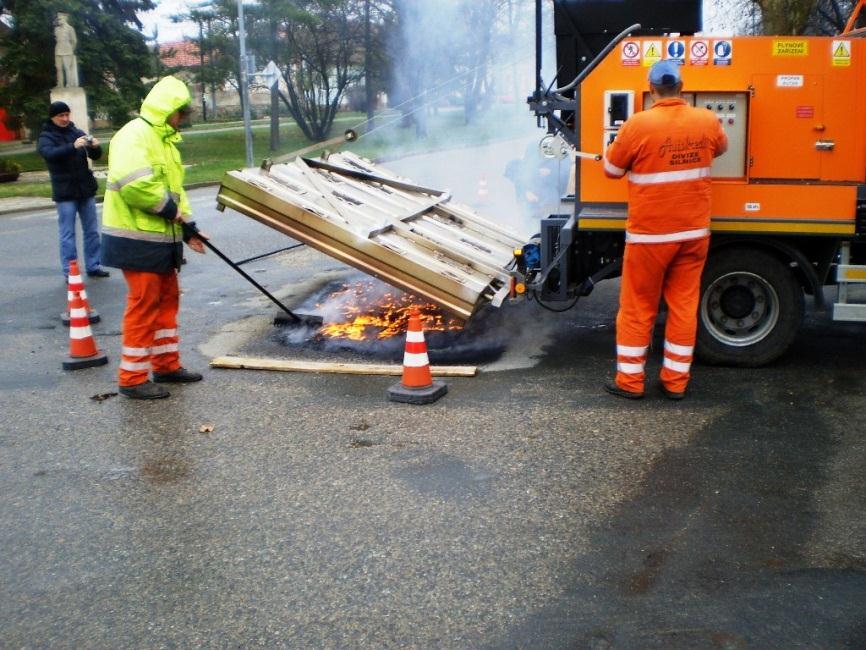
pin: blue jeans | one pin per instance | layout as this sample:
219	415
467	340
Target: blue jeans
86	209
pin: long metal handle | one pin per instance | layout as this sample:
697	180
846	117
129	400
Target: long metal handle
825	145
192	230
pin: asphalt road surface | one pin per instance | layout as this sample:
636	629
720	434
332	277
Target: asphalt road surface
526	509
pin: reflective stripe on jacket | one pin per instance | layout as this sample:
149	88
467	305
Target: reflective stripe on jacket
667	152
144	189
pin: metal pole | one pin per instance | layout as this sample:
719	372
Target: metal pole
539	84
201	69
245	97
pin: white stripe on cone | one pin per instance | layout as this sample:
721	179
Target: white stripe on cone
414	337
79	333
412	360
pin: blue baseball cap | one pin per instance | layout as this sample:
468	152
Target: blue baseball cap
665	73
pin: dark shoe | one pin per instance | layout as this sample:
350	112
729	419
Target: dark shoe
98	273
613	389
671	394
179	376
147	390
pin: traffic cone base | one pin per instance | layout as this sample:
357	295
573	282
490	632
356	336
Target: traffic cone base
73	363
426	395
83	352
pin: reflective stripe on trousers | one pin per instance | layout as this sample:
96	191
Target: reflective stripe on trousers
150	340
650	272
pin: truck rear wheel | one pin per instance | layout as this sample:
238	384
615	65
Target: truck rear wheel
750	310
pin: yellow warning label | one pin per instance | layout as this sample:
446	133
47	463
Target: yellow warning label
841	53
652	52
789	47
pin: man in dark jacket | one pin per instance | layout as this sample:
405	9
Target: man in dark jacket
66	149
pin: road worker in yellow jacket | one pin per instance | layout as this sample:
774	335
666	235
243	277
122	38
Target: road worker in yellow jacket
142	235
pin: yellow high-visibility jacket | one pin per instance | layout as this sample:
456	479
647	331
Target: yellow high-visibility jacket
145	191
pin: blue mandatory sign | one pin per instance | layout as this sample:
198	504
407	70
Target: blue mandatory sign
723	49
676	50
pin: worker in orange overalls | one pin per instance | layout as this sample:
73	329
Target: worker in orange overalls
666	152
145	205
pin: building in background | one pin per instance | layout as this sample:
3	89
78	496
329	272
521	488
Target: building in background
183	59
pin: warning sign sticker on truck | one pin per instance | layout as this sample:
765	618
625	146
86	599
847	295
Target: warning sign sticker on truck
630	53
699	52
722	52
652	52
841	53
676	52
790	47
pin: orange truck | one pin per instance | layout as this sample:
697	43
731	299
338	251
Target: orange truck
789	196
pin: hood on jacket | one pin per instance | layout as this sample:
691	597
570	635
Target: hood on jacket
168	95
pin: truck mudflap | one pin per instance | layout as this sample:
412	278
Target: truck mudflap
409	236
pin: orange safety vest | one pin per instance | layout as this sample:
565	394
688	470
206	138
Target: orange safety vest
667	152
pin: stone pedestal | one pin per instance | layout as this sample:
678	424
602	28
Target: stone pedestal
77	102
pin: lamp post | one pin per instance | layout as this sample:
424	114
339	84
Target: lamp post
245	97
201	69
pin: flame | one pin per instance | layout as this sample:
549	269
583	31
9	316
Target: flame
368	314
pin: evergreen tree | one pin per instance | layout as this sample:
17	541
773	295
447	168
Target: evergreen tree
112	56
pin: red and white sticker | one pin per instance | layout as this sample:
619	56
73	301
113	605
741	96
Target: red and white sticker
630	53
699	52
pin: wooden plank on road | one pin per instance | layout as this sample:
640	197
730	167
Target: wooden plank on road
297	365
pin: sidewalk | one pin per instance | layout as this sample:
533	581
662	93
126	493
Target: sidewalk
24	204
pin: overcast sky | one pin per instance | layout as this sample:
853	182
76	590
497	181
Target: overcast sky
161	18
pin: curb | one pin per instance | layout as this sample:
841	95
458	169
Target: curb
49	206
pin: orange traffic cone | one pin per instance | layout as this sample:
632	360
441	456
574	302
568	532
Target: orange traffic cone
417	385
76	283
83	352
483	192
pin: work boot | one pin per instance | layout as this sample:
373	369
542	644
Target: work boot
671	394
98	273
179	376
147	390
613	389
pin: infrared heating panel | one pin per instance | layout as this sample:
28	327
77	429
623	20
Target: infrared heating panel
410	236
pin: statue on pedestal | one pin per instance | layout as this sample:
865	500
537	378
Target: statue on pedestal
64	53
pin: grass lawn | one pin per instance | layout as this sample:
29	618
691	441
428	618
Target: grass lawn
208	155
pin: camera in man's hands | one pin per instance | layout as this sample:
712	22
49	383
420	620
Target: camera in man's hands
88	139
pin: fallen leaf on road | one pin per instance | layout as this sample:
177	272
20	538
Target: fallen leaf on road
101	397
206	428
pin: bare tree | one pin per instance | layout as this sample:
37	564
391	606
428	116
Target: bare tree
324	59
784	16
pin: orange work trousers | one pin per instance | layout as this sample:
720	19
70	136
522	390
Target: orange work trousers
150	340
651	271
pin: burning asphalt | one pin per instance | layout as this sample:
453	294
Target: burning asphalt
368	318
